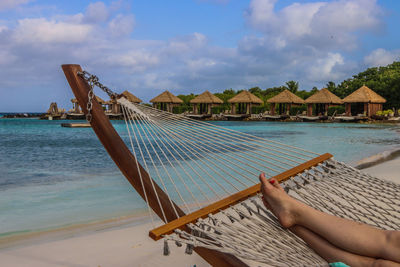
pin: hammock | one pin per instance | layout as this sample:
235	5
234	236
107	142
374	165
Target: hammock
201	179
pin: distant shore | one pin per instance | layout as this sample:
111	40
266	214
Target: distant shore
252	117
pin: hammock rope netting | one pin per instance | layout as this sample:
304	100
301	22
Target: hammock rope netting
197	163
193	159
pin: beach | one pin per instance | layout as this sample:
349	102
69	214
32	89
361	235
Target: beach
121	245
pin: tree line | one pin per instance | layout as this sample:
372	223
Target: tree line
385	81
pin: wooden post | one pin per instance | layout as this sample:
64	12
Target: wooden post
326	109
209	108
367	109
233	108
126	162
288	107
272	109
194	108
309	109
348	109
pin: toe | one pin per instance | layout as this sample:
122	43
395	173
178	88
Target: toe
265	184
276	184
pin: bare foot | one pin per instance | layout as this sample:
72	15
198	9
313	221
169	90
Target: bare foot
280	203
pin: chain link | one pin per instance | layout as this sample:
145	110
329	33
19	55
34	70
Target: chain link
93	80
89	104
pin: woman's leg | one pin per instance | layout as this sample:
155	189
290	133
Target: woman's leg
348	235
334	254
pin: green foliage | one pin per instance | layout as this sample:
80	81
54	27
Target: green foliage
297	110
339	110
185	106
385	81
258	110
218	109
292	86
181	108
385	112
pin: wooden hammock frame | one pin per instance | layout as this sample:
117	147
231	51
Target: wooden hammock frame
126	162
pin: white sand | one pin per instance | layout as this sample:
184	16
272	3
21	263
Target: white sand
117	247
108	248
389	170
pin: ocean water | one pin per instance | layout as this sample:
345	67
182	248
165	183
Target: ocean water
51	176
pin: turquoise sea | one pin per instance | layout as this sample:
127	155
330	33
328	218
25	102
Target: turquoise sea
51	177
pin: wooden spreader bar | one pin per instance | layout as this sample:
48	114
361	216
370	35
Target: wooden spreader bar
180	223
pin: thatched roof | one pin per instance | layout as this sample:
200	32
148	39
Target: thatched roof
324	96
132	98
364	95
166	97
286	97
101	101
206	98
245	97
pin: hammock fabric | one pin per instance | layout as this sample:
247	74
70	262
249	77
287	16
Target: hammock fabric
201	179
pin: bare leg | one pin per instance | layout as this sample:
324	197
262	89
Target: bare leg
347	235
334	254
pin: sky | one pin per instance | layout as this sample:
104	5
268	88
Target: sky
188	46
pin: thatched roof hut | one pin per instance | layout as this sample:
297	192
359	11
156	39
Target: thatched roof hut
204	102
364	95
76	108
245	100
206	98
284	98
132	98
245	97
363	100
324	96
322	99
98	99
115	108
166	101
166	97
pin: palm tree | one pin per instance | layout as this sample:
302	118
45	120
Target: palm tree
331	86
292	86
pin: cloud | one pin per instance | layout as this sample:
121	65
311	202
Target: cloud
8	4
323	68
96	12
121	25
322	25
381	57
42	30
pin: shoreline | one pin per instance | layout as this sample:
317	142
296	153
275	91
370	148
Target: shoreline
115	117
378	158
28	237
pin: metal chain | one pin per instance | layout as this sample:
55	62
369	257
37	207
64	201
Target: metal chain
92	81
95	81
89	104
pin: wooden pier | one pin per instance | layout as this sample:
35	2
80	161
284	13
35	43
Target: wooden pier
76	125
